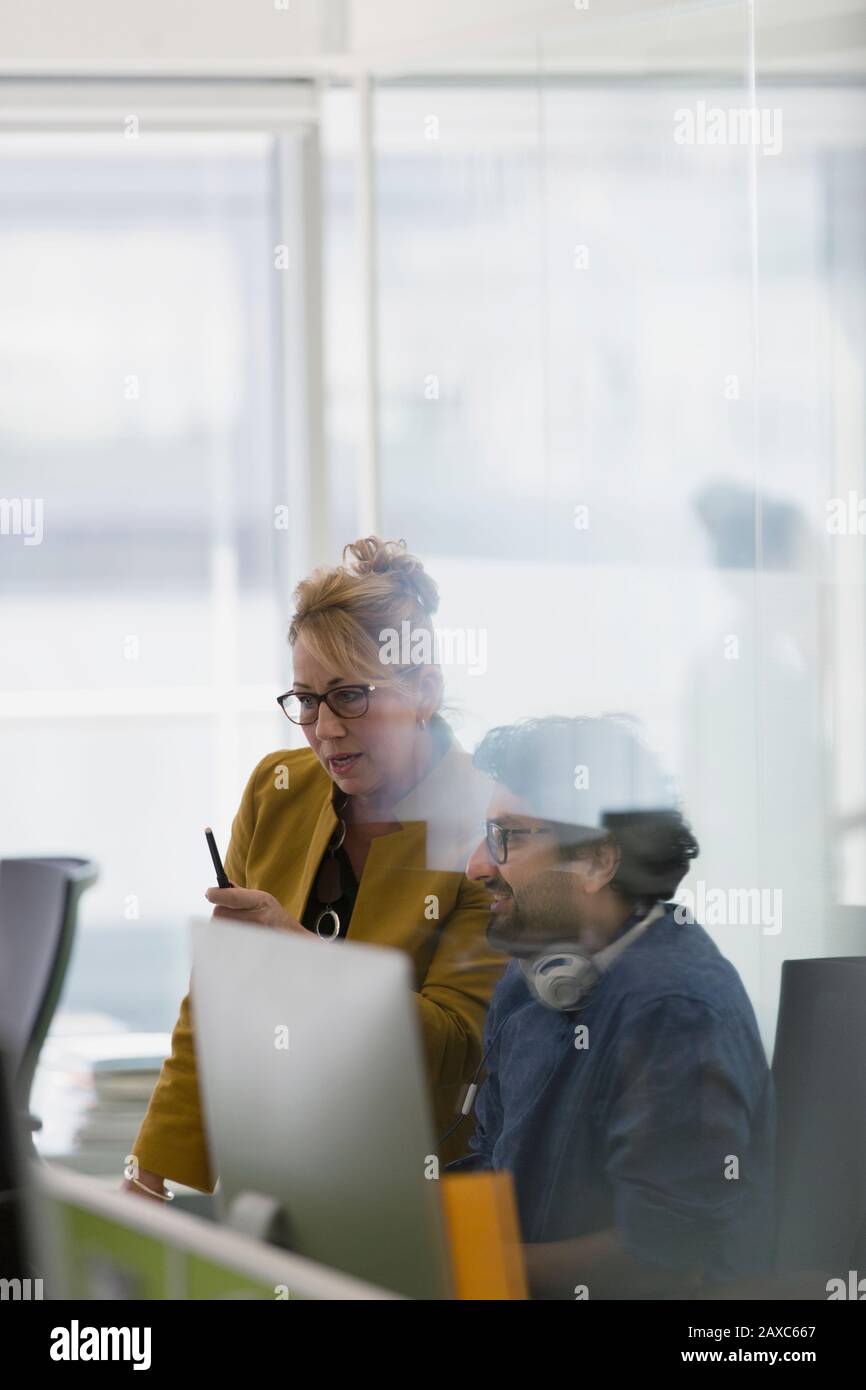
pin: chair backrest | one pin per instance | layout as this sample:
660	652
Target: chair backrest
819	1070
14	1233
38	913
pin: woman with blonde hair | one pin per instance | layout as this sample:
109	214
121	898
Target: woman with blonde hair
360	834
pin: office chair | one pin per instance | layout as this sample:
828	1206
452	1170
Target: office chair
38	914
15	1253
819	1074
819	1070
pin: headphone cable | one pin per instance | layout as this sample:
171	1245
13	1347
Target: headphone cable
472	1088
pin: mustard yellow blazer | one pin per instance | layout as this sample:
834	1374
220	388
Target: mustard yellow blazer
279	835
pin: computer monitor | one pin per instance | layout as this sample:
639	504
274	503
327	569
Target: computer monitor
315	1099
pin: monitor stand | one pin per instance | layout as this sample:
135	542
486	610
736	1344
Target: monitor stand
262	1217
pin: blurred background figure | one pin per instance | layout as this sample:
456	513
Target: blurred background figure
756	759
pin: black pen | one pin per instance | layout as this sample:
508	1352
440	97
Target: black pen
223	880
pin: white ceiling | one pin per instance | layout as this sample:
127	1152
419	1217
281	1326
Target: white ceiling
611	36
408	37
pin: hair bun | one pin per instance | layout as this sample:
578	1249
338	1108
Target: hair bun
370	555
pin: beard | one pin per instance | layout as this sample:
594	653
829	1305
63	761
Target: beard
539	916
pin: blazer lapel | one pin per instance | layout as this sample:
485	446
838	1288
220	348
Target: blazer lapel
324	828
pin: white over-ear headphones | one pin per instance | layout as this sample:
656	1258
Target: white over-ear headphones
561	976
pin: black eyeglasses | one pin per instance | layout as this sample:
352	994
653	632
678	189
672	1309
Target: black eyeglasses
346	701
497	836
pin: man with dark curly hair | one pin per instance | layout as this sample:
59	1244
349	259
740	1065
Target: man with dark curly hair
627	1089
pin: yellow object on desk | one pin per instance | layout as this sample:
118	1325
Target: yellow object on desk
484	1236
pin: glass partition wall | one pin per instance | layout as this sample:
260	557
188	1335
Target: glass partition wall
158	434
628	440
593	335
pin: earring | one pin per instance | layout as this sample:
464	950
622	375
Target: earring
422	723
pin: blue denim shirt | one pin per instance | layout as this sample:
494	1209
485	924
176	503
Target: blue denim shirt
642	1122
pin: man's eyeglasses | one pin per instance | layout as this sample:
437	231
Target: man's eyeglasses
346	701
497	837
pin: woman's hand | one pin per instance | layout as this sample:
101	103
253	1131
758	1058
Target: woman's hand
152	1181
252	905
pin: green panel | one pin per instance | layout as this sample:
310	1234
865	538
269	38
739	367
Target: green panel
108	1260
208	1280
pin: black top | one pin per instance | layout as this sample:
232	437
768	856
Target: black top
343	906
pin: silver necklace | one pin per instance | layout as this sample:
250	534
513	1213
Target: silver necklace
329	880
